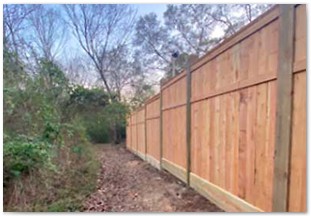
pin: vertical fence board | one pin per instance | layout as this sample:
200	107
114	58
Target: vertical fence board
298	158
225	128
297	186
242	141
250	194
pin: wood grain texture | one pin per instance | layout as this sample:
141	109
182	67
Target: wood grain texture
153	109
221	197
174	136
128	132
141	136
236	92
298	161
298	158
300	53
153	138
153	161
284	108
178	171
188	121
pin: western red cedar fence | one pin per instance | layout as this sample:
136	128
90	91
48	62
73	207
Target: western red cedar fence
233	125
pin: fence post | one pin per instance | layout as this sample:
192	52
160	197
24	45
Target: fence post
283	108
131	131
145	131
188	119
161	127
136	124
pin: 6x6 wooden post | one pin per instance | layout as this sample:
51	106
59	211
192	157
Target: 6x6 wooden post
284	108
188	120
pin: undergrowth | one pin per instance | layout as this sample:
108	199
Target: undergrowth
49	163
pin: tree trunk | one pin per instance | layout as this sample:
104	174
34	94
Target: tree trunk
115	134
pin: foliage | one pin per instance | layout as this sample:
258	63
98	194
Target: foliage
142	92
46	156
84	98
98	113
97	129
49	121
105	41
189	28
24	154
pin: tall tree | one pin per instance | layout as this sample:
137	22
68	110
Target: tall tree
47	32
192	26
190	29
154	41
79	70
14	23
231	17
102	32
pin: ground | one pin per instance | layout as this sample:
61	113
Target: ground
128	184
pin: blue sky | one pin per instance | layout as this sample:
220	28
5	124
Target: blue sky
142	9
148	8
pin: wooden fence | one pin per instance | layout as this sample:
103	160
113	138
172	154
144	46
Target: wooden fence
233	125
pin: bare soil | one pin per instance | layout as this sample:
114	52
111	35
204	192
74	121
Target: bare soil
128	184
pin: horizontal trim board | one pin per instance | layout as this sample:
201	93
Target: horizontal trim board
260	22
152	118
137	153
300	66
173	107
174	79
140	108
139	123
154	162
175	169
221	197
141	155
238	86
132	151
142	122
153	98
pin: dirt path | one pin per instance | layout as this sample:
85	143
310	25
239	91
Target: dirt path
127	183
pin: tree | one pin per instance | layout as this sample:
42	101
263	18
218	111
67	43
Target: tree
192	27
190	30
48	32
194	24
14	16
78	69
231	17
154	42
142	90
102	32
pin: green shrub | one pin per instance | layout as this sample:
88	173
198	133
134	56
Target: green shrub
97	129
23	154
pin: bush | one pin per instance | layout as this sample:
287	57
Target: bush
23	154
49	164
97	129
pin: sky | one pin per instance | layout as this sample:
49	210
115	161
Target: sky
148	8
142	9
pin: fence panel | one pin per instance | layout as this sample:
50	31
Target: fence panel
174	127
153	131
234	149
140	125
134	132
230	114
128	133
297	182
